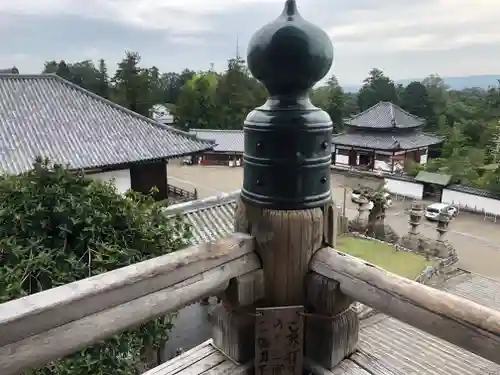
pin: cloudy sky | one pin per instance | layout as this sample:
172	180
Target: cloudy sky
405	38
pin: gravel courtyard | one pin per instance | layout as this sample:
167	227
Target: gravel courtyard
477	241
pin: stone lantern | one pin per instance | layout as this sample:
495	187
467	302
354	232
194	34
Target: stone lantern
442	224
416	213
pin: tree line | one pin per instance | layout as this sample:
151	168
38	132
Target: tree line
468	119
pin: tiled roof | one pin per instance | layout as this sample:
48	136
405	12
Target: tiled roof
45	115
386	140
387	346
384	115
210	218
12	70
474	191
225	140
440	179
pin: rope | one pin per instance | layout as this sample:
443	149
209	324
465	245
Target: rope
241	311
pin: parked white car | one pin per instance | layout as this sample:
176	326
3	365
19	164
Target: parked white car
432	211
356	195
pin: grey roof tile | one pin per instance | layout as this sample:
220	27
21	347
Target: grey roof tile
474	191
386	140
384	115
225	140
45	115
441	179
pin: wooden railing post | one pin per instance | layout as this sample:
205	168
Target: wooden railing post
285	201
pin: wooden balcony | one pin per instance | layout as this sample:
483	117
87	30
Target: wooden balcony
46	326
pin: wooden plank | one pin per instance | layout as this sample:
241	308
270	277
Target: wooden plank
44	347
203	365
183	360
459	321
43	311
279	340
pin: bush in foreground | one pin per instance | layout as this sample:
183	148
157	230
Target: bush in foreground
57	227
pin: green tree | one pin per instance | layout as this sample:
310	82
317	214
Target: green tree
63	70
437	92
415	99
132	85
237	94
331	99
57	227
377	88
102	87
196	107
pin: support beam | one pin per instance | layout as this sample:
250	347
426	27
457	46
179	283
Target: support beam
233	328
459	321
332	330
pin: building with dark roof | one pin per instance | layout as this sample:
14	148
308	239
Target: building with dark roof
12	70
228	146
383	137
45	115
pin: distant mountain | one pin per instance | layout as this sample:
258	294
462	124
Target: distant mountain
455	83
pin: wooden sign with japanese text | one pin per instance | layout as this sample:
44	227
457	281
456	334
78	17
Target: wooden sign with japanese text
279	340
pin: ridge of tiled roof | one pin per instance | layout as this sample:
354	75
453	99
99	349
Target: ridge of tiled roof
383	140
238	131
46	115
385	115
226	140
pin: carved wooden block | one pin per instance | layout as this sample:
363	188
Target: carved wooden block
332	329
233	330
233	333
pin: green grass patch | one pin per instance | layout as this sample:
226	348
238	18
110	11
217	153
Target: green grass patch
402	263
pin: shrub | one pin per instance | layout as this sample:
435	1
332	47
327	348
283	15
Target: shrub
57	227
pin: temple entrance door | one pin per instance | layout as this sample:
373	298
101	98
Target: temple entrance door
365	160
353	156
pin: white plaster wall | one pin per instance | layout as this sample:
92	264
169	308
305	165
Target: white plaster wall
471	202
341	159
121	179
423	159
405	188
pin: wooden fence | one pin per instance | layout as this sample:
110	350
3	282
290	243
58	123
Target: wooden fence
180	195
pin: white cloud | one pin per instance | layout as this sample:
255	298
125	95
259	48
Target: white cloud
437	25
176	16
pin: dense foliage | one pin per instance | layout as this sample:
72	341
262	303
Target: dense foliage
57	227
467	119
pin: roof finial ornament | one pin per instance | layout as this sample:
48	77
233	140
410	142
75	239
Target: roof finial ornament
290	8
288	140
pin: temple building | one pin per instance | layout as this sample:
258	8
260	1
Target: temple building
383	137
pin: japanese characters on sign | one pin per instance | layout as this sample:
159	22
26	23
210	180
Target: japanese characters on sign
279	341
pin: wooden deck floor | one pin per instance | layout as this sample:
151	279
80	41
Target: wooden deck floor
203	359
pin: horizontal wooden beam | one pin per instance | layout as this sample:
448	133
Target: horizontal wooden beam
39	349
198	204
39	313
459	321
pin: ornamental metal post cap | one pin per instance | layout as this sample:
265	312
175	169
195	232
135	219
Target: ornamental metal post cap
288	141
289	54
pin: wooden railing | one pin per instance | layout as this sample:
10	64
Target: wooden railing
46	326
459	321
181	195
42	327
